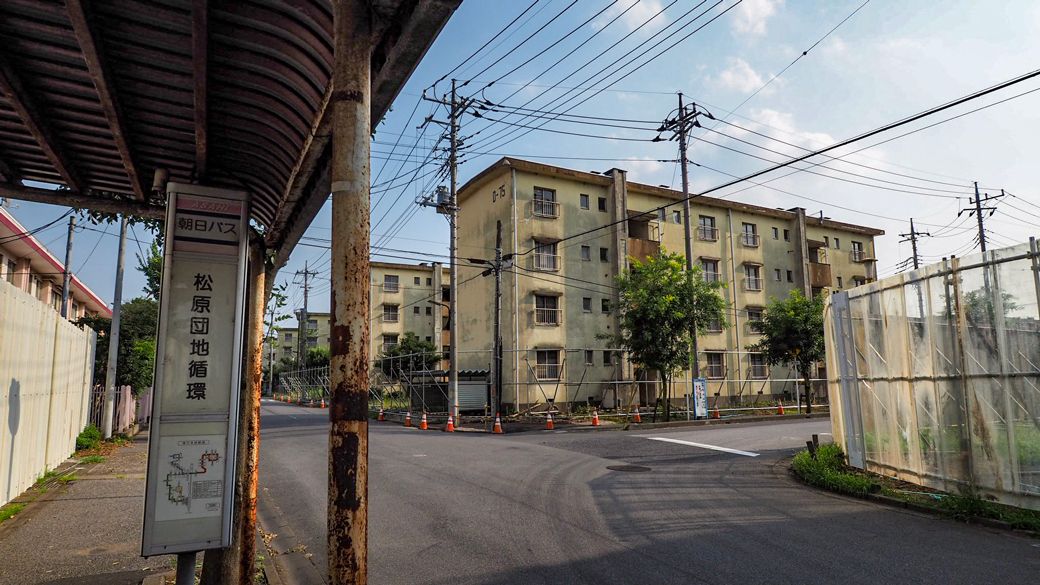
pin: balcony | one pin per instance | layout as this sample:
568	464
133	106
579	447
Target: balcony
546	262
750	240
390	317
641	249
391	287
819	275
545	208
752	284
550	317
858	256
547	371
707	233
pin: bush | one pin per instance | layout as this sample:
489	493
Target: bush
828	470
90	438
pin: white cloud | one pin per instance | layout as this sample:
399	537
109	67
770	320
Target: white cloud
739	76
750	16
781	125
640	12
645	171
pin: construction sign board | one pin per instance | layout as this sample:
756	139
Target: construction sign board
700	397
198	368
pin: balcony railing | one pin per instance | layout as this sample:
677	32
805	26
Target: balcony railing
546	262
752	284
858	255
711	276
707	233
750	240
548	316
547	371
391	287
390	317
546	208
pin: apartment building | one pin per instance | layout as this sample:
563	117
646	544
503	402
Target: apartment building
287	339
557	301
30	267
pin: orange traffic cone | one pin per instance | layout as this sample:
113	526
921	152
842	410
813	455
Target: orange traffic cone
549	422
450	427
382	417
322	402
408	419
422	423
637	418
780	410
497	429
595	418
715	413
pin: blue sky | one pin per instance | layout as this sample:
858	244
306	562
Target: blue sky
889	60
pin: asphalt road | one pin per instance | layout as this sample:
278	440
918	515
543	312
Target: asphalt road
543	507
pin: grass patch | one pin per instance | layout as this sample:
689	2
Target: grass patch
89	438
968	505
47	476
828	470
93	459
68	479
9	511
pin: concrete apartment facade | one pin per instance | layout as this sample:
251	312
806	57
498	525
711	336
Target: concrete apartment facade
28	265
557	302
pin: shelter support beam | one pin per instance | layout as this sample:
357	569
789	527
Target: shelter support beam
348	410
199	62
80	201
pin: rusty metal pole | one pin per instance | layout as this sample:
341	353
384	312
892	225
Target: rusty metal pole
348	408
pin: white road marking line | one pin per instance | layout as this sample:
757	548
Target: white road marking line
703	446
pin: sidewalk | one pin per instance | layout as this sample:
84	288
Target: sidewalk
84	527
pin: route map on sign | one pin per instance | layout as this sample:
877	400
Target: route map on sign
192	484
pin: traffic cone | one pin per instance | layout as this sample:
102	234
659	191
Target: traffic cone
715	413
322	402
422	423
637	419
382	417
408	419
549	422
780	410
450	428
595	418
497	429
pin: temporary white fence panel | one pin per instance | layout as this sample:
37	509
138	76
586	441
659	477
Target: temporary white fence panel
46	365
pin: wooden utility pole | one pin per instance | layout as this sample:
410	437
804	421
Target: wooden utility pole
977	210
113	335
912	237
67	275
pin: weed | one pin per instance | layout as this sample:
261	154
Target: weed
828	470
93	459
9	511
89	438
68	479
47	476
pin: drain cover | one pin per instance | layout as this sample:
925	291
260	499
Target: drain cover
629	468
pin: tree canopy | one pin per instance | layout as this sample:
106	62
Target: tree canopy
792	336
409	355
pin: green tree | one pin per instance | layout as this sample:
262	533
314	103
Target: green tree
137	329
659	301
792	336
410	355
150	266
317	357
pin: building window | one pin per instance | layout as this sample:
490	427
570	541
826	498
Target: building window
391	283
312	342
716	368
586	253
389	341
778	274
759	368
787	235
839	282
752	277
776	233
429	282
429	339
586	304
857	252
662	214
604	255
754	314
790	276
605	306
710	270
417	281
546	310
602	204
837	244
390	313
583	200
715	325
56	299
608	357
10	271
545	204
287	337
826	241
677	216
706	229
749	237
415	310
312	323
545	257
429	310
547	364
589	357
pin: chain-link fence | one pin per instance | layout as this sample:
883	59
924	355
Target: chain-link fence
936	374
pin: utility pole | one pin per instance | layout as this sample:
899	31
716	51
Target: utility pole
496	267
270	349
113	335
67	278
978	202
304	331
912	238
680	126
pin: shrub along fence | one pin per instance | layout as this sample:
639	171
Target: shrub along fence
45	374
935	374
